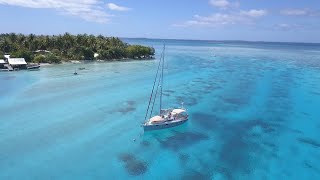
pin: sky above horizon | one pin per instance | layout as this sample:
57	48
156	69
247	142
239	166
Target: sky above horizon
251	20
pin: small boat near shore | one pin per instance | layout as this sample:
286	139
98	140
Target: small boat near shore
166	118
32	67
75	72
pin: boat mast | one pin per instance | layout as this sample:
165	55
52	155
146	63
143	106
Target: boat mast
154	83
164	47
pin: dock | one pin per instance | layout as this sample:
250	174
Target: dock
9	68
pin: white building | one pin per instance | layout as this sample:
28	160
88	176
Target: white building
13	63
17	63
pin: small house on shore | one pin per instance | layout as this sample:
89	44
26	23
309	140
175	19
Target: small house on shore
19	63
11	64
42	51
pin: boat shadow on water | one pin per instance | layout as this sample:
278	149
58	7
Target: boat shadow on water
182	140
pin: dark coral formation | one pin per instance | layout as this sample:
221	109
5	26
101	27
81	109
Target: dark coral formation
145	143
195	175
182	139
206	121
128	107
133	166
309	141
184	158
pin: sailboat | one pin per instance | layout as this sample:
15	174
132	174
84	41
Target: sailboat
75	72
165	118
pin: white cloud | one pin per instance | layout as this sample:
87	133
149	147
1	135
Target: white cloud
220	19
89	10
115	7
294	12
223	19
288	27
224	4
300	12
254	13
219	3
192	23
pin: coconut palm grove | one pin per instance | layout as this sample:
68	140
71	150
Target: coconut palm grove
66	47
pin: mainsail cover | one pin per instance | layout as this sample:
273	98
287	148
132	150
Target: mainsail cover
177	111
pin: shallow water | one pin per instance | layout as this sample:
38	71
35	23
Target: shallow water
254	114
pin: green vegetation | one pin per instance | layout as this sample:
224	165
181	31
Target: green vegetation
69	47
39	59
27	55
138	50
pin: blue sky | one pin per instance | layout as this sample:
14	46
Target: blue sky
253	20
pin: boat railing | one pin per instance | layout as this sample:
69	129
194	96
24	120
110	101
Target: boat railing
165	111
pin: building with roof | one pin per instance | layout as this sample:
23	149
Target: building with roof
4	66
6	56
17	63
10	64
41	51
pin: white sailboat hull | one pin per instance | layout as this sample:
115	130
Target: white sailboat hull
166	124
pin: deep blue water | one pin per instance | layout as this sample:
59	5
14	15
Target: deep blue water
254	114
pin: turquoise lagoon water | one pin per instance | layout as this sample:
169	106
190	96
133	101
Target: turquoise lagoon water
254	114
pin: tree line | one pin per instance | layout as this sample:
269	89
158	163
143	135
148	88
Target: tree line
66	47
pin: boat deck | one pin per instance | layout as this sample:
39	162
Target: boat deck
165	124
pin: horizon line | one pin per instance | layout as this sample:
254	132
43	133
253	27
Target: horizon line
179	39
249	41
